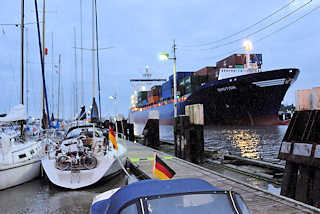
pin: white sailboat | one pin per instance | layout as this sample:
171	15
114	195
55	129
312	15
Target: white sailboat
85	155
19	155
19	158
83	158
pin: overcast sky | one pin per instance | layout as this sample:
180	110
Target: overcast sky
139	30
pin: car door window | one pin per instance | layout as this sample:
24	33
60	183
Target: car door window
131	209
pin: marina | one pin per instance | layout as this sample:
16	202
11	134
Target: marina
159	107
258	200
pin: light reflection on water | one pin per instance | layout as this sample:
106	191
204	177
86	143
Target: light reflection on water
246	140
257	142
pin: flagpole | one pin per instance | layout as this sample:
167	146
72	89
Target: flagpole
154	164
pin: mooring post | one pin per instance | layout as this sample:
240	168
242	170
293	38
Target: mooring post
301	150
188	134
119	128
289	180
304	184
151	133
131	132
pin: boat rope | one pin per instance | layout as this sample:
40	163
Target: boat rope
42	64
123	168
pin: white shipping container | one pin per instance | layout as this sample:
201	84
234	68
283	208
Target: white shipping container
316	98
303	99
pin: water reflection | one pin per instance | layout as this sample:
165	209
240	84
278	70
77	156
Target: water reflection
39	196
246	140
257	142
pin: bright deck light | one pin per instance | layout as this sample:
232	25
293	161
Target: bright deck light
247	45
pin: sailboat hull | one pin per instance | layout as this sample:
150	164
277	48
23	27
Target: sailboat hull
19	174
107	165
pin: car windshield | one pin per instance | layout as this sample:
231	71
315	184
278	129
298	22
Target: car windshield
191	204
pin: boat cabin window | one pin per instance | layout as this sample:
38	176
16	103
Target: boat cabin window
22	156
189	204
131	209
73	133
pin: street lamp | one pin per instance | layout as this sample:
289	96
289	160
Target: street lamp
165	56
247	46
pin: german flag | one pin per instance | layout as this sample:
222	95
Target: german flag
112	138
161	170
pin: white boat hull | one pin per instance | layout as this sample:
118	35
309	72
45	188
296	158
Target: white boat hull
106	165
19	174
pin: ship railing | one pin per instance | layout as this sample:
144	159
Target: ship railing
225	73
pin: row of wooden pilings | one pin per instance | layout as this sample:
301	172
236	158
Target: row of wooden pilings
123	129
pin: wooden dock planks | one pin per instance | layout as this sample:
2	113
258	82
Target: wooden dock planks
258	200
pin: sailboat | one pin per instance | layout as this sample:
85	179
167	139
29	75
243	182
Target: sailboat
19	154
85	155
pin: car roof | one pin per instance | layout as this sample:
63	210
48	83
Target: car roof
149	188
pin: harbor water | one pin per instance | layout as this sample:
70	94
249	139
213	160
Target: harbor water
256	142
41	197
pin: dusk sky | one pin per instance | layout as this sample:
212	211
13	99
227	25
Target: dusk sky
138	30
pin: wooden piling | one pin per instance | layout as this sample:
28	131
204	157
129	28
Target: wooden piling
151	133
188	138
289	181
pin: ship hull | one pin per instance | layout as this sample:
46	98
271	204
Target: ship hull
252	99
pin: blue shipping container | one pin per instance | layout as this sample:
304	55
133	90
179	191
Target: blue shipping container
181	75
144	102
256	58
167	85
166	93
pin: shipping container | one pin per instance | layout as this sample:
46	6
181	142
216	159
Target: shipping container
237	60
205	71
167	85
144	102
155	87
316	98
166	89
150	94
181	75
191	83
167	94
303	99
153	99
142	95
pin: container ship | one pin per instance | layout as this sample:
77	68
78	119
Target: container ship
234	92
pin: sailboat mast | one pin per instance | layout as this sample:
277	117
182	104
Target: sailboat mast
59	87
81	53
93	49
98	66
75	72
27	71
22	57
22	52
52	74
43	46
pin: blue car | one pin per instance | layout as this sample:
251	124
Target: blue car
176	196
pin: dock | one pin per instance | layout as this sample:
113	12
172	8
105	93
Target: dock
258	200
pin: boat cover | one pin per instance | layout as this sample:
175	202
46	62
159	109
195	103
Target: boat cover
148	188
17	113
